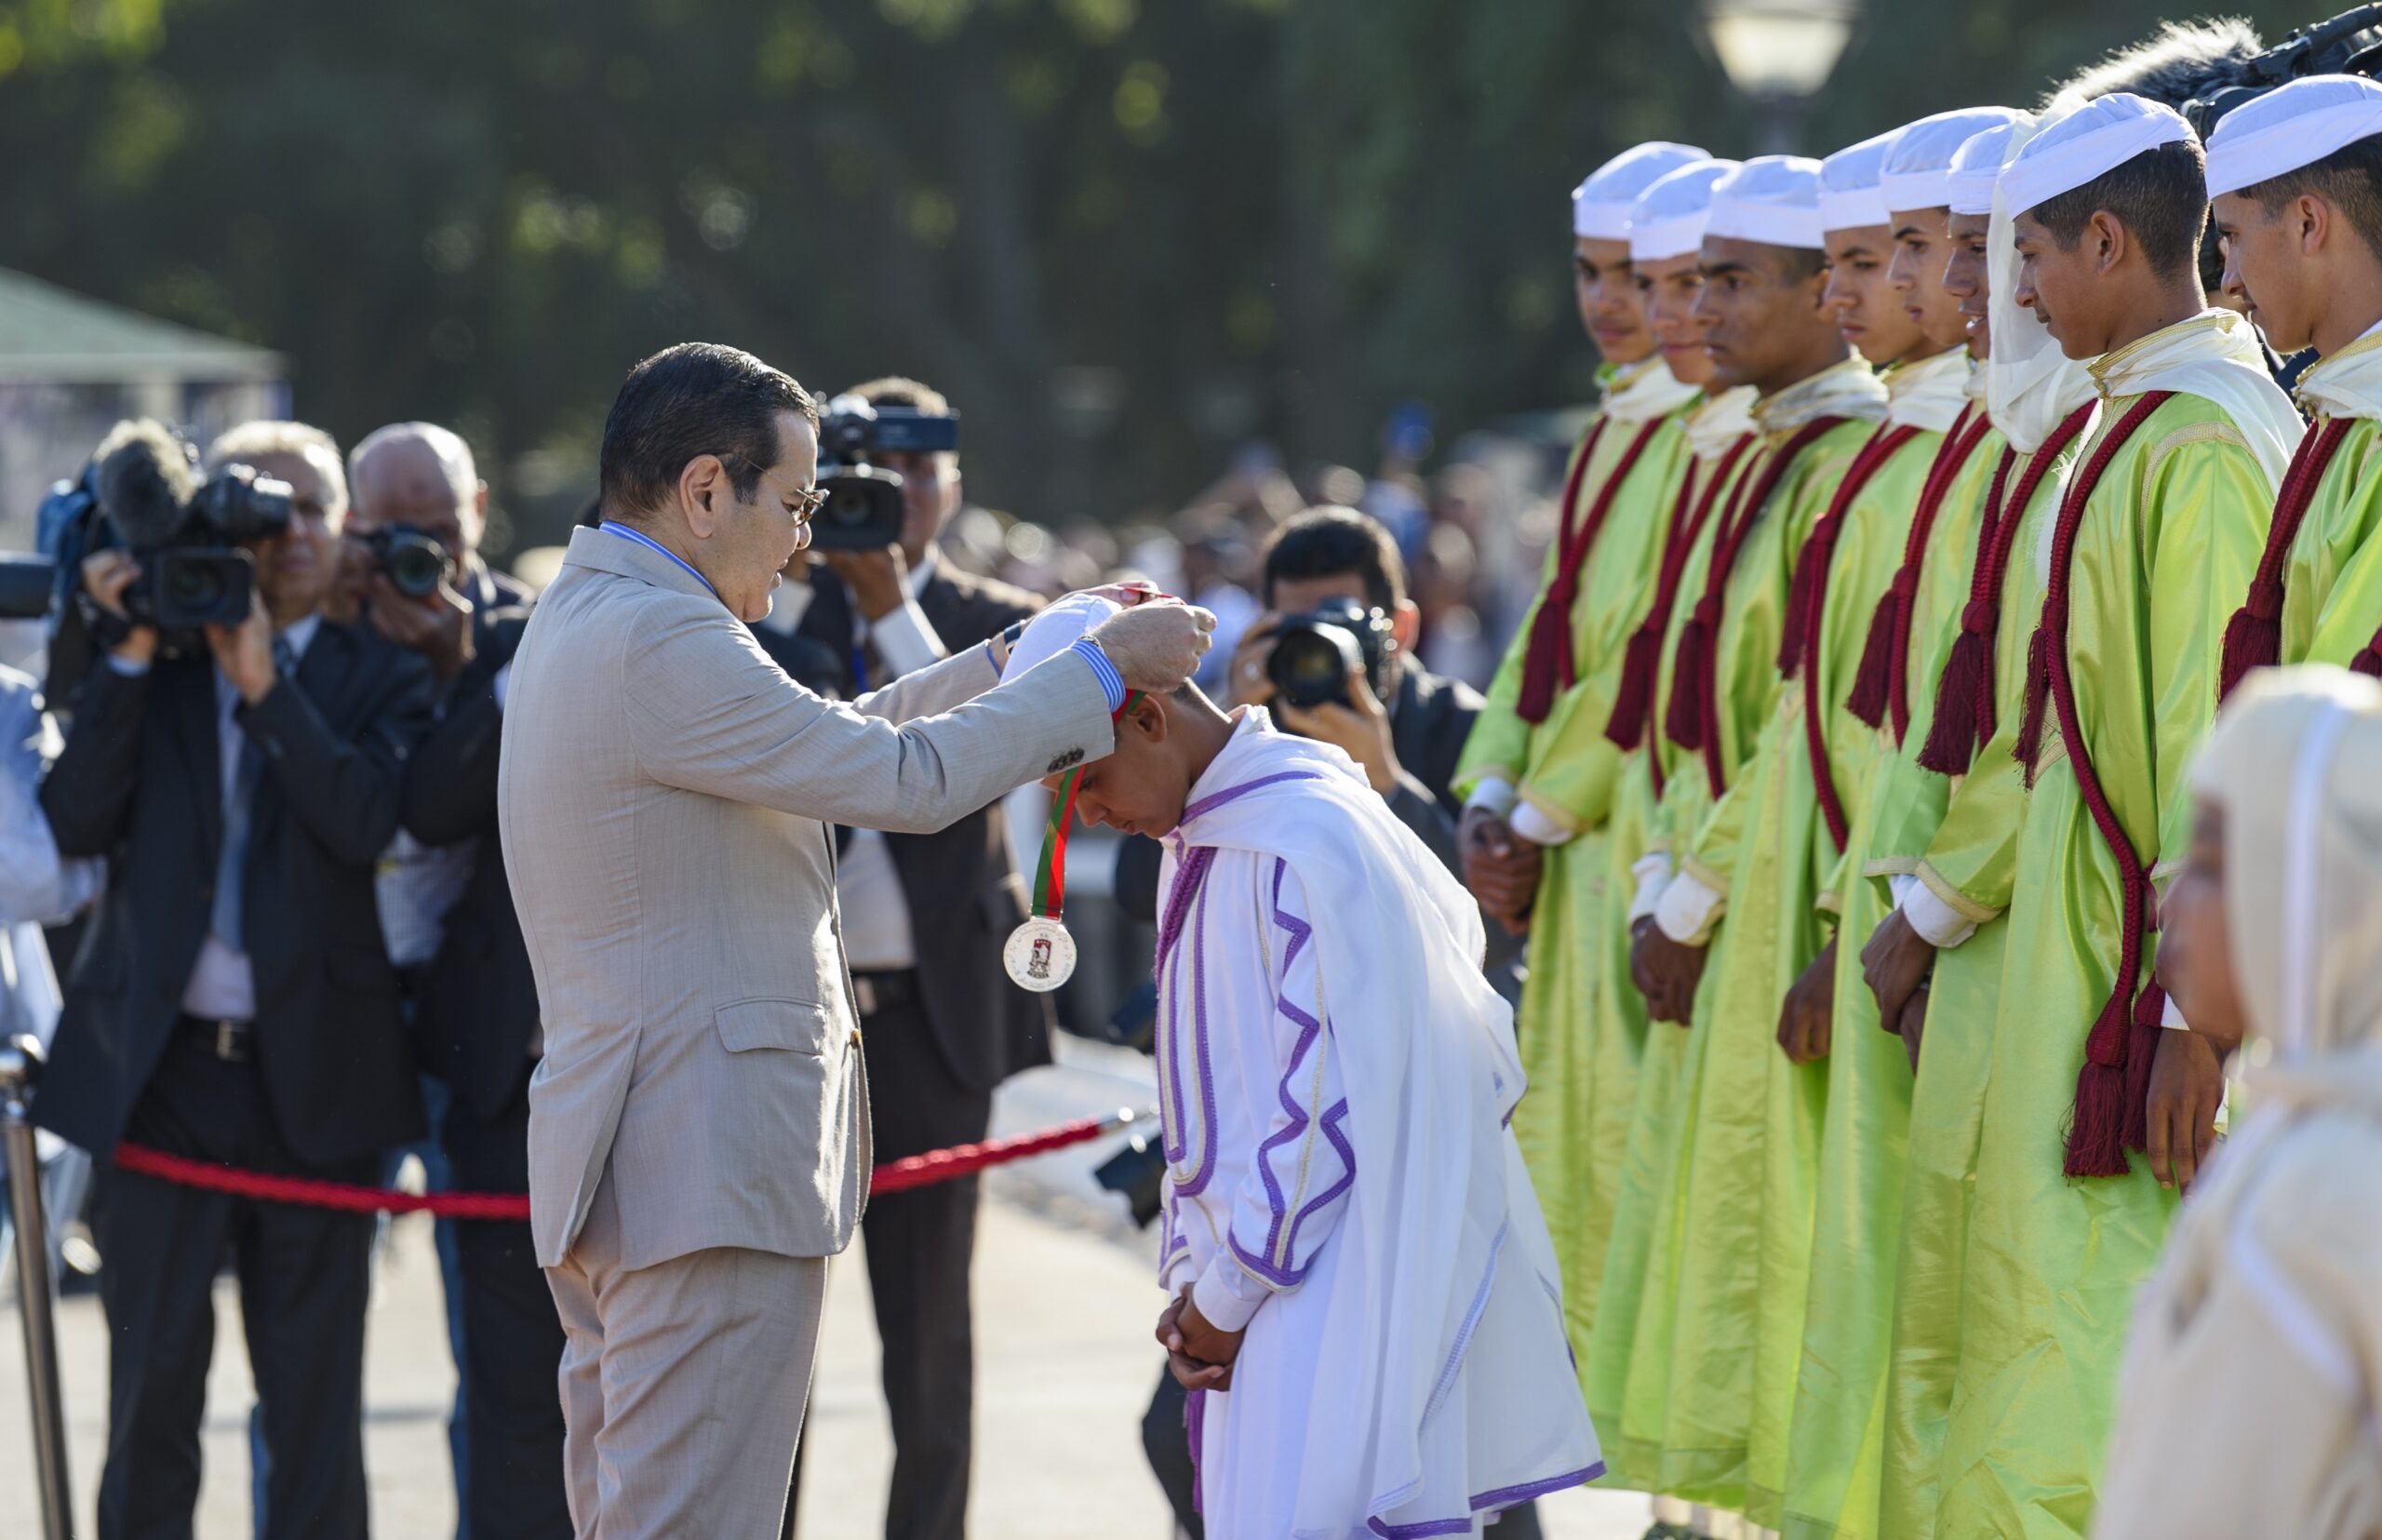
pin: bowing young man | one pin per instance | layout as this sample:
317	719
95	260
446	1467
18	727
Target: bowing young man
1365	1305
2156	535
1538	799
2296	183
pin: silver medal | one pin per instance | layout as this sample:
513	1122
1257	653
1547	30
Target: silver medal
1039	954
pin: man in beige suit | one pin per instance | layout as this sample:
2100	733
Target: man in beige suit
698	1124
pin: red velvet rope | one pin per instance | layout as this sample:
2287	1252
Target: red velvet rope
915	1170
1820	550
1904	594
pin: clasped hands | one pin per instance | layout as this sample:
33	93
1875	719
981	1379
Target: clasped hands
1200	1353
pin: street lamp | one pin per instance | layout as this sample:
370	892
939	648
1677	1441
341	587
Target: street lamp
1778	53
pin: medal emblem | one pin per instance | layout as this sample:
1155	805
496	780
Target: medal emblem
1039	954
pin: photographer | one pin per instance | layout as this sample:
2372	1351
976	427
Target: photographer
234	1002
924	920
411	570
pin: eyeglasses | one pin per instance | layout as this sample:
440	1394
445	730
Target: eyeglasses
807	501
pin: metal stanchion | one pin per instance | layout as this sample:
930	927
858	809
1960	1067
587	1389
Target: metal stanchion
21	1058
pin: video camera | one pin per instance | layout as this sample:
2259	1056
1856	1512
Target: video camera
862	511
147	498
1315	653
25	584
2348	44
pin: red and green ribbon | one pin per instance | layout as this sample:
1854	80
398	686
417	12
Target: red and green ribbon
1050	872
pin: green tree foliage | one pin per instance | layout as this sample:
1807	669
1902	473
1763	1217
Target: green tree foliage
1123	234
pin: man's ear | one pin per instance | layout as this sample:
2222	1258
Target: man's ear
1149	718
2112	240
2315	218
703	493
1406	624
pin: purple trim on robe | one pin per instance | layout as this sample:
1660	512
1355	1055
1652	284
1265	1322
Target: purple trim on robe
1190	880
1471	1319
1287	1275
1299	930
1216	800
1194	1428
1492	1502
1200	1178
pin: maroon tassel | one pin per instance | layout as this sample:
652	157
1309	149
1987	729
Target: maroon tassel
1793	629
1955	735
1684	722
2096	1125
2030	725
1634	697
1874	679
2141	1050
2254	638
1547	651
2368	661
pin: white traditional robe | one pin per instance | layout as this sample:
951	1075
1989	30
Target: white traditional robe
1336	1077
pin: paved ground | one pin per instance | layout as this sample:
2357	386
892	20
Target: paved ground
1063	1308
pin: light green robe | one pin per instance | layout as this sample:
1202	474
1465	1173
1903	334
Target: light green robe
1836	1436
1569	772
1685	1396
2165	549
2331	597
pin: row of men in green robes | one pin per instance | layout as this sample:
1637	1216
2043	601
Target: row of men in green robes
1930	506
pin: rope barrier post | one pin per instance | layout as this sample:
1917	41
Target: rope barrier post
21	1059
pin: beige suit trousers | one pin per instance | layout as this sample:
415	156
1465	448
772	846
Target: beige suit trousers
682	1384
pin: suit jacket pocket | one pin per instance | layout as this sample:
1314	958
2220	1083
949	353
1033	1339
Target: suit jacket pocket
801	1026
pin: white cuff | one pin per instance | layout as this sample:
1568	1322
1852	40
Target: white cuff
126	667
1653	875
906	640
1689	911
501	685
1899	886
1938	924
2172	1019
1494	794
1536	827
1225	1295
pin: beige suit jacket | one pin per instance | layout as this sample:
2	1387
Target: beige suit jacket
665	797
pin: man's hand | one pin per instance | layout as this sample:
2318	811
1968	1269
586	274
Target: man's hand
1500	866
1913	1025
1157	646
1895	964
1199	1354
244	653
1248	684
1667	973
1803	1020
437	626
106	575
1360	729
879	579
2187	1087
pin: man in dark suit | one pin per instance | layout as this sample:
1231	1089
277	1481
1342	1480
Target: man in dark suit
413	480
924	919
234	1002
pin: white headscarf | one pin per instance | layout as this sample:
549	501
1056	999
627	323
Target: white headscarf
2029	383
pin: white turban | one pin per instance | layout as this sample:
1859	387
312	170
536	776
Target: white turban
2290	127
1056	629
1773	199
1976	166
1600	205
1668	218
1917	172
2087	144
1849	195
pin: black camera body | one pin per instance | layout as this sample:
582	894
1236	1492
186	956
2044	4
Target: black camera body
1315	653
25	585
862	511
2348	44
185	533
414	561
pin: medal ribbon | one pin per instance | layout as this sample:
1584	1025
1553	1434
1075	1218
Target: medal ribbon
1050	872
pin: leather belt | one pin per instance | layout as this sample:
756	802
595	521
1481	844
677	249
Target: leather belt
234	1042
876	992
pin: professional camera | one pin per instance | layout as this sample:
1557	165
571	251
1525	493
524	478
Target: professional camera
25	586
862	511
2348	44
1315	653
415	563
144	484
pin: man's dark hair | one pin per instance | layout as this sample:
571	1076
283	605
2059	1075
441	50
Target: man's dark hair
694	400
1324	543
2349	179
2160	197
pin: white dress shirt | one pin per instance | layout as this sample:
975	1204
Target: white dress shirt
222	986
878	938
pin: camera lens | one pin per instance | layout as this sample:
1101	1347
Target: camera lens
194	587
415	563
1310	663
845	506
